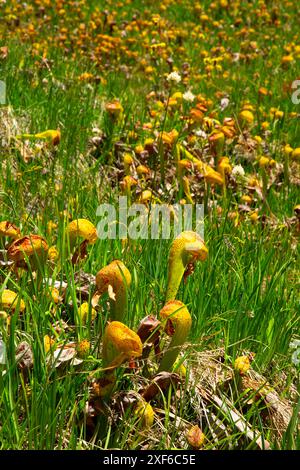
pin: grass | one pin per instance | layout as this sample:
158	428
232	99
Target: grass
244	298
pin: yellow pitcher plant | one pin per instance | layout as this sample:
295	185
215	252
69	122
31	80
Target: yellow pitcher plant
178	325
117	278
187	248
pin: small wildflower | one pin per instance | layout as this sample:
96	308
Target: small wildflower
246	117
296	154
174	77
295	344
296	357
242	364
200	133
287	150
53	253
48	343
51	226
83	312
253	217
224	103
188	96
83	348
246	199
238	171
50	136
263	162
54	294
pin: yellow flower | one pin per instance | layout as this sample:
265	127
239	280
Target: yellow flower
246	117
128	161
287	59
51	226
288	150
263	91
50	136
229	131
9	300
196	115
83	312
246	199
54	293
177	96
48	343
83	348
258	139
279	114
253	217
296	154
143	170
169	137
85	77
248	106
53	253
272	162
263	162
242	364
146	196
127	183
172	102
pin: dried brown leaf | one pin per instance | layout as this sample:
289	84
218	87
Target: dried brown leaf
160	383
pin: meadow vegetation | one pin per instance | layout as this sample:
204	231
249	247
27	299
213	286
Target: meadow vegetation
149	344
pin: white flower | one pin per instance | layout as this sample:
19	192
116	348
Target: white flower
201	133
295	344
296	357
188	96
224	103
174	77
238	170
